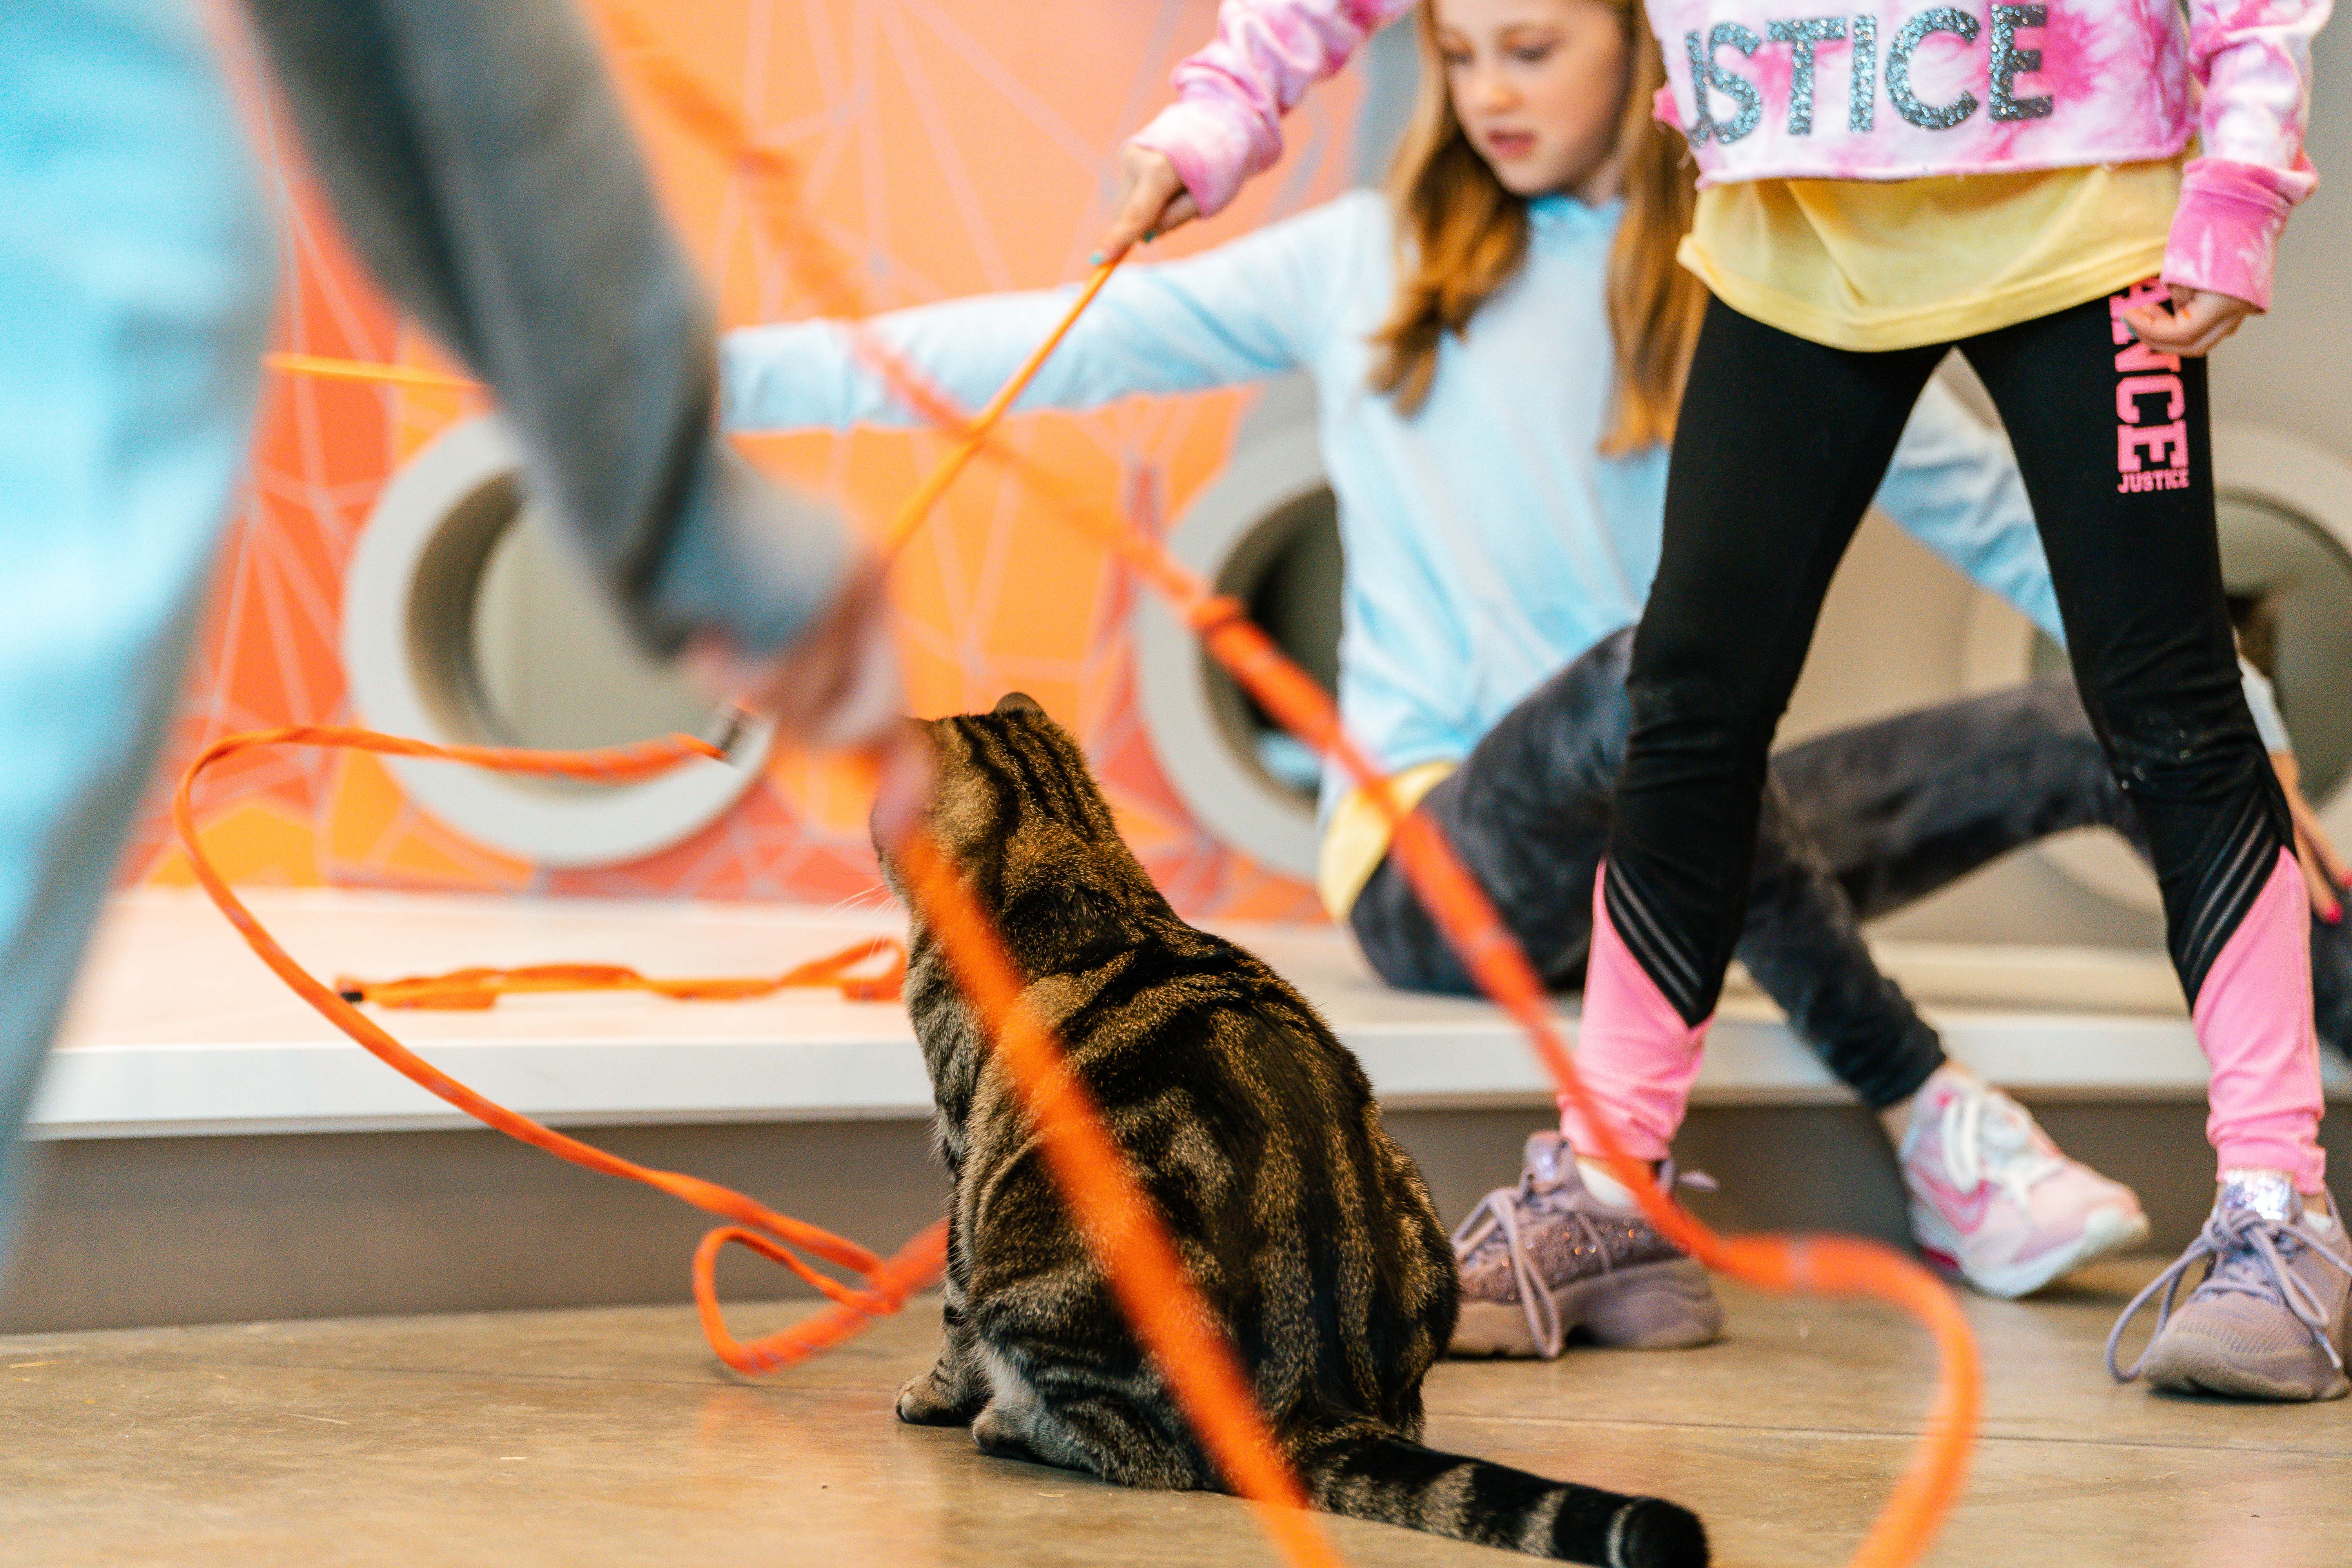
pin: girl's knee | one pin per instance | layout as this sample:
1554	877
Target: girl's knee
1702	716
2183	750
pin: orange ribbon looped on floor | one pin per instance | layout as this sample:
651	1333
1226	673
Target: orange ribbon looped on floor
887	1282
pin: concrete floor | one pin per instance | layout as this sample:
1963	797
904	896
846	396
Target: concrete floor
608	1437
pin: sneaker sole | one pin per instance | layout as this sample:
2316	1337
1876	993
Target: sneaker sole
1669	1305
2107	1231
2188	1362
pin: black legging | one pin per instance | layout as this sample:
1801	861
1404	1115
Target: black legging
1781	444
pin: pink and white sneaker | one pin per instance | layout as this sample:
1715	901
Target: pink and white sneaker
1992	1200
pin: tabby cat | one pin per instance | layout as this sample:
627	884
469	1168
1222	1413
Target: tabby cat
1254	1132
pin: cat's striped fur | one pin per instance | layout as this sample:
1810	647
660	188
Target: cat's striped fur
1252	1130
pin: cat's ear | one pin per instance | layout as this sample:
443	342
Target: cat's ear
1017	702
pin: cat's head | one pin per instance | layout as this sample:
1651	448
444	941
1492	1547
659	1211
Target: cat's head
1015	807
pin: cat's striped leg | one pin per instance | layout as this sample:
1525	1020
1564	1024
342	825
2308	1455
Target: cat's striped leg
954	1391
1123	1427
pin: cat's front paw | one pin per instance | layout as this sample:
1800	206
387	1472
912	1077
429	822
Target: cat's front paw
997	1433
923	1403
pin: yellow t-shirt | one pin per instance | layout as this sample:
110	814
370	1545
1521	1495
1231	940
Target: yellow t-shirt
1356	839
1875	265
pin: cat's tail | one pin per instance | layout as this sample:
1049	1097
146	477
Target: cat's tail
1396	1482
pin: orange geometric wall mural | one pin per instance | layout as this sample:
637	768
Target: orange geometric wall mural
946	147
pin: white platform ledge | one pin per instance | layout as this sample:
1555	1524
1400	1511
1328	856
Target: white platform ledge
178	1029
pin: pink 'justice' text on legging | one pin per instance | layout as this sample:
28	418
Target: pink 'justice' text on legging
1781	445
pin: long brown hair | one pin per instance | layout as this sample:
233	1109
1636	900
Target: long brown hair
1461	236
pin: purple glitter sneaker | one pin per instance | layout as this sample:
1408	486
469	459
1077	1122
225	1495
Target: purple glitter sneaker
1547	1258
2270	1319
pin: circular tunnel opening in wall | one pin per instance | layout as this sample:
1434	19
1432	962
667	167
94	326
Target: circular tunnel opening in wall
469	622
1266	532
1286	571
2285	516
549	662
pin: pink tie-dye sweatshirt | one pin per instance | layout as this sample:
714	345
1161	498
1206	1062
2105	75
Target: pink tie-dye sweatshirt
1903	93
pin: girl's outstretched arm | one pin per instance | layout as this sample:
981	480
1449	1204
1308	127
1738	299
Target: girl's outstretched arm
1226	123
1262	305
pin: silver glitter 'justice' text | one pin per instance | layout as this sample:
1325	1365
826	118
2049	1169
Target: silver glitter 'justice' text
1713	82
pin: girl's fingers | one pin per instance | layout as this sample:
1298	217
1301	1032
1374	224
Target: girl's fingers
2325	903
2157	330
2338	874
2309	831
2210	338
2164	333
2197	324
2322	871
1152	200
1135	218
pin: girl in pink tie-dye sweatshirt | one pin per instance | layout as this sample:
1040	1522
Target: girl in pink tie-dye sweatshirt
1877	188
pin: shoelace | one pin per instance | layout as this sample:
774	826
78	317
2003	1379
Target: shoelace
1498	1214
2243	1245
1969	1135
